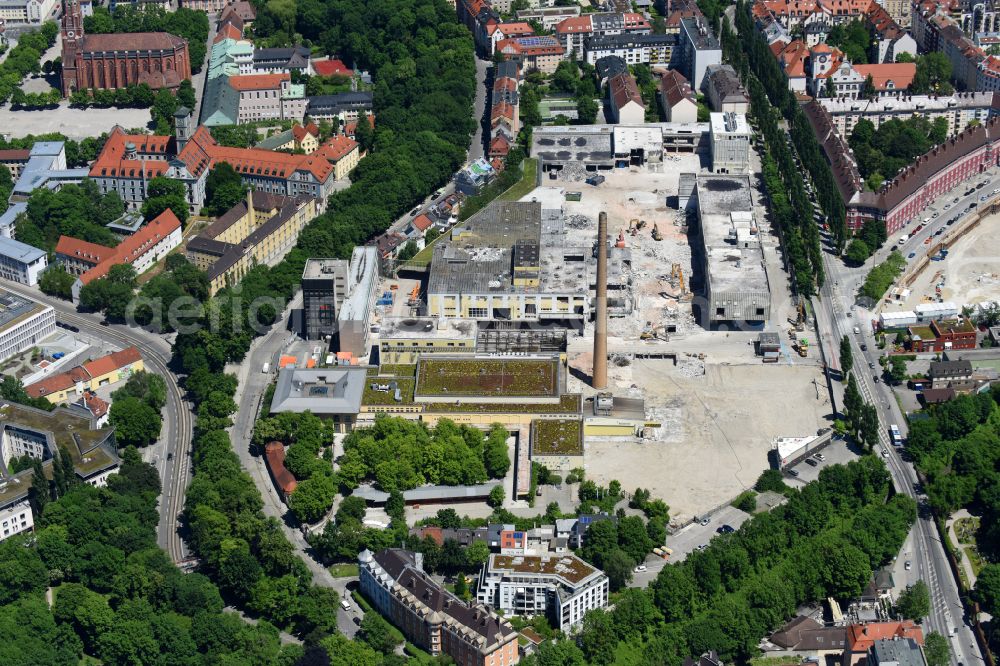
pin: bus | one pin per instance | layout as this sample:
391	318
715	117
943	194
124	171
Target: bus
895	435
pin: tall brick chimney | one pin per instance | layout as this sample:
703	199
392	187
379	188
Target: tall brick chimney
600	375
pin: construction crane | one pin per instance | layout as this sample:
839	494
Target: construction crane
414	295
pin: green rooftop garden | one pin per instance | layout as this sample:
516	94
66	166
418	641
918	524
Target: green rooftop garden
557	437
478	377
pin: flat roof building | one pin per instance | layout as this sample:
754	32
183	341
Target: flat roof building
559	585
736	285
338	298
23	323
506	263
730	141
697	49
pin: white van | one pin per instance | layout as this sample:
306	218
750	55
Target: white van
904	238
857	331
345	604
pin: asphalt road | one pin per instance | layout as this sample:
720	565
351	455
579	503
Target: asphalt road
928	556
175	470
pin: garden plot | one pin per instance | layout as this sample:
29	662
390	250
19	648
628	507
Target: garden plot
486	378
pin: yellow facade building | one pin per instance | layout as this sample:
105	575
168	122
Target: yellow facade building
258	231
72	384
343	153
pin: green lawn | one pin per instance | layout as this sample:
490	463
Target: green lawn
346	570
526	184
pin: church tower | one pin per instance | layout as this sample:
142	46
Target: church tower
72	44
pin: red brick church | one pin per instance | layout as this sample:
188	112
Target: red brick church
118	60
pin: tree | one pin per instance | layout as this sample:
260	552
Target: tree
937	650
868	89
857	252
830	90
55	281
224	189
312	498
618	567
363	133
39	492
163	193
376	633
147	386
496	496
914	602
186	96
846	356
496	455
461	587
586	110
136	423
598	638
897	368
987	591
477	554
407	252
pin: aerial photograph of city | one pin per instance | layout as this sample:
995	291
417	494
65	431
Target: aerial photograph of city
496	332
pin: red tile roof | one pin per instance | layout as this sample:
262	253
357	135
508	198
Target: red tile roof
422	222
350	127
499	146
861	637
96	406
334	67
899	73
136	245
675	88
516	29
14	155
258	81
336	148
81	250
275	454
228	31
84	373
574	25
299	132
624	89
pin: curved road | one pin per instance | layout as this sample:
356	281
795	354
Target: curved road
175	473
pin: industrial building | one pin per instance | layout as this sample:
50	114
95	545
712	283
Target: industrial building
338	299
730	141
23	323
603	147
507	263
735	283
26	431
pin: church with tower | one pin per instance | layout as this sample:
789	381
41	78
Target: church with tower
119	60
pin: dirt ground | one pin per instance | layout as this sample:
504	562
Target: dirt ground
970	274
717	428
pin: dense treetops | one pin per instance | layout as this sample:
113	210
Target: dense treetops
881	153
79	211
399	455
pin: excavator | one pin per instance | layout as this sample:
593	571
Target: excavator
414	295
654	333
657	236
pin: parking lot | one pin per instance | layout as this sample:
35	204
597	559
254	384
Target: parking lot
838	452
694	535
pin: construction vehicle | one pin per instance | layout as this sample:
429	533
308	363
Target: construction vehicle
654	333
414	295
621	238
641	225
633	227
657	236
802	347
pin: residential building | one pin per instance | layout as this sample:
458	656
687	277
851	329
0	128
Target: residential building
27	12
697	49
304	138
891	39
343	153
904	652
889	77
677	99
14	159
736	283
26	431
609	66
21	262
633	49
244	9
282	60
128	162
861	638
804	637
573	32
730	141
548	17
543	53
625	103
23	323
509	31
474	177
345	107
94	407
118	60
951	374
88	377
902	199
710	658
725	91
561	586
141	250
958	109
942	335
505	119
338	298
430	616
258	231
207	6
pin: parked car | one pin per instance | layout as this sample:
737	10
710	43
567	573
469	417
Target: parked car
820	456
413	213
908	565
641	567
793	472
871	365
726	529
885	453
911	255
811	462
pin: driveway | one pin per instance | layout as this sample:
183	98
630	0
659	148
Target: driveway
694	535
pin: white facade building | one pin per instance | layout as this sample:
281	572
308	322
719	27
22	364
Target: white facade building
21	262
27	11
559	585
23	323
730	141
